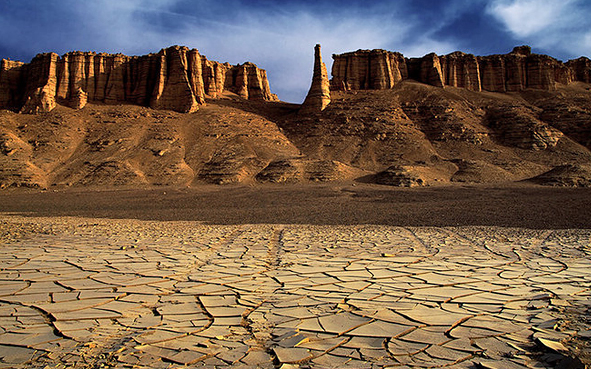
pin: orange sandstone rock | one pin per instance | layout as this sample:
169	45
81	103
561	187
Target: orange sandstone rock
10	83
516	71
41	85
319	95
461	70
176	78
367	70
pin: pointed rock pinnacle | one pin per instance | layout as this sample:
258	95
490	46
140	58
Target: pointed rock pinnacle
319	95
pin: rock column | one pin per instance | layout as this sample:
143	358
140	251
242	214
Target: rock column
41	86
319	95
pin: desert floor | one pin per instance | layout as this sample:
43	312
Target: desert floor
350	203
347	275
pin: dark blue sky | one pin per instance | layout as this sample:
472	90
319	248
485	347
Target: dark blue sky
280	35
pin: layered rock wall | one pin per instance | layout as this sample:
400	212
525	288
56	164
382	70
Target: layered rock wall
581	68
176	78
460	70
516	71
249	82
368	70
41	84
10	83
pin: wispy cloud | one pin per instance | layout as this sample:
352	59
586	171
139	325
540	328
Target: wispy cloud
283	43
528	17
280	36
558	25
281	40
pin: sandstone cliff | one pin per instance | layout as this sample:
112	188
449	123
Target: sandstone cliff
368	70
10	76
516	71
319	95
176	79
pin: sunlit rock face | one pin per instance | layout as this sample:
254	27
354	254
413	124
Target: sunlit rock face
176	78
516	71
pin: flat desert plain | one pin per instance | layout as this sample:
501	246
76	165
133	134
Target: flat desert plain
324	276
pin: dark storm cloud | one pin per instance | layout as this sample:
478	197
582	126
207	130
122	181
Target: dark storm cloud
279	35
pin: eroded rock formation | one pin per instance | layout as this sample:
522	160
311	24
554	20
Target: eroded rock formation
516	71
176	78
368	70
319	95
10	76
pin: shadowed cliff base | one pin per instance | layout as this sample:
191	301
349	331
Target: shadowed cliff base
509	205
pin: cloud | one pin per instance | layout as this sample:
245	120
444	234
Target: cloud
557	25
66	25
283	43
277	36
280	39
528	17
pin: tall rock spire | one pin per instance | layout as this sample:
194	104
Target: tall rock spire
319	95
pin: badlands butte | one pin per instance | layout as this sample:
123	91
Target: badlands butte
176	118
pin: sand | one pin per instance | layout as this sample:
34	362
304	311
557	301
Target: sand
510	205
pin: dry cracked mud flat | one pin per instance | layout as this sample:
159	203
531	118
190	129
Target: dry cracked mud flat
91	293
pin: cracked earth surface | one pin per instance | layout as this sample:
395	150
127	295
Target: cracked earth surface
89	293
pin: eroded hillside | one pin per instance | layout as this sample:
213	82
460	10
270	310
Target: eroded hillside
451	134
131	145
424	134
404	132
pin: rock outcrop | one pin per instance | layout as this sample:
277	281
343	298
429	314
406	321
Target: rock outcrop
319	95
10	86
516	71
461	70
410	176
520	127
176	78
426	69
40	89
581	68
368	70
567	175
298	170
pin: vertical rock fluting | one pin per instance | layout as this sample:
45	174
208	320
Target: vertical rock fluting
240	78
367	69
430	70
386	69
516	71
41	84
492	73
176	78
173	89
461	70
258	83
319	94
115	86
581	69
195	76
214	77
10	83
